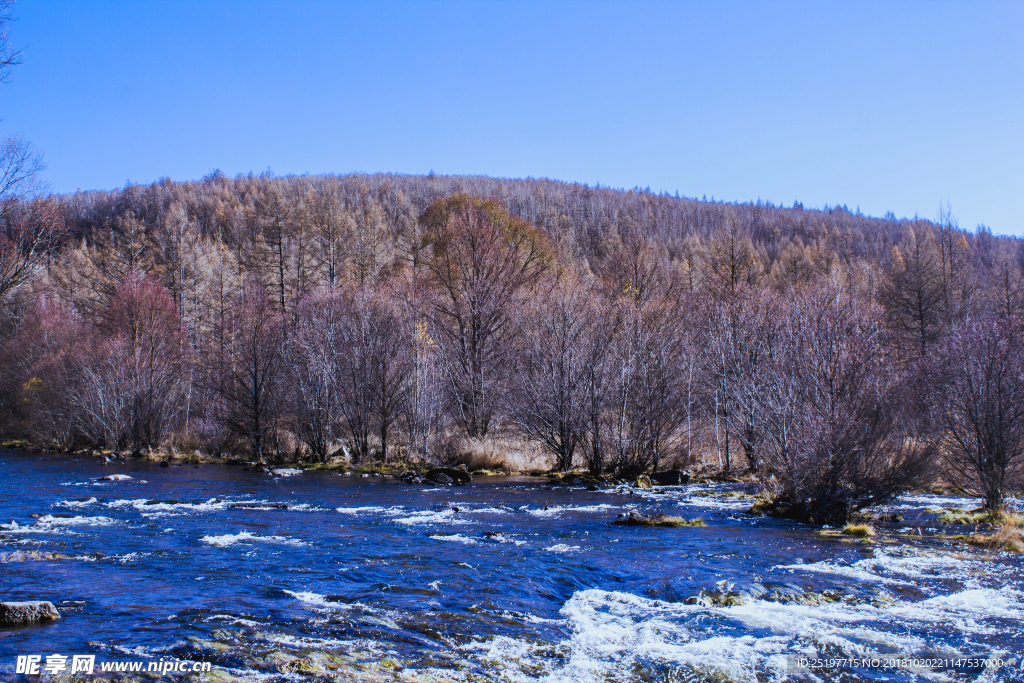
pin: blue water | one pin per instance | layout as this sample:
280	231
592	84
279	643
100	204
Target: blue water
351	578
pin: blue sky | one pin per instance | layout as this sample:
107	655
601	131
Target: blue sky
885	106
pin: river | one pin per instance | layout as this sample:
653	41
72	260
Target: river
324	576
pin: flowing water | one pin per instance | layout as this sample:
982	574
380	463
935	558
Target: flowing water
324	576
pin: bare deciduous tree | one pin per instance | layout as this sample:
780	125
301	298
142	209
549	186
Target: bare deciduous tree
312	355
9	56
837	437
248	376
150	346
648	407
737	336
980	393
552	372
482	257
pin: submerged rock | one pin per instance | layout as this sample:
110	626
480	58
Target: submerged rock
164	463
805	598
716	599
410	478
18	613
26	555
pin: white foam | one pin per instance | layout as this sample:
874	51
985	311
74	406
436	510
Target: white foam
315	643
458	538
562	548
316	600
126	502
613	633
305	507
128	557
501	537
115	477
908	566
361	510
151	508
909	502
238	621
431	517
557	511
245	536
311	598
47	524
486	511
75	504
716	502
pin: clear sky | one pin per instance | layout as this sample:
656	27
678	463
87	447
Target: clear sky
885	106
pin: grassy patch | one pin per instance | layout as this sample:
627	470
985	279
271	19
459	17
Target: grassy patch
979	516
767	504
859	530
659	520
1008	536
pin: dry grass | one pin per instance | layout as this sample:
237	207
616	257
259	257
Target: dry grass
979	516
510	455
495	453
859	530
1009	535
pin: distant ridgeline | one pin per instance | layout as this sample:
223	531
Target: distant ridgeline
415	317
586	223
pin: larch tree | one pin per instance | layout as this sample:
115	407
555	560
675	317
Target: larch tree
913	291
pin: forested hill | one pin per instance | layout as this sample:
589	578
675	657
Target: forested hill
421	317
373	219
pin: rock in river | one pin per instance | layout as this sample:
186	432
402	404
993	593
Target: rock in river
459	475
18	613
671	477
114	477
25	555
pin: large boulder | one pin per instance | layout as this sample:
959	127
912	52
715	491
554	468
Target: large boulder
458	475
671	477
19	613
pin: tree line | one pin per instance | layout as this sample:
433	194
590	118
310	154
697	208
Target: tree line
843	358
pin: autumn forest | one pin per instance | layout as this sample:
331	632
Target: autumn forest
395	320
